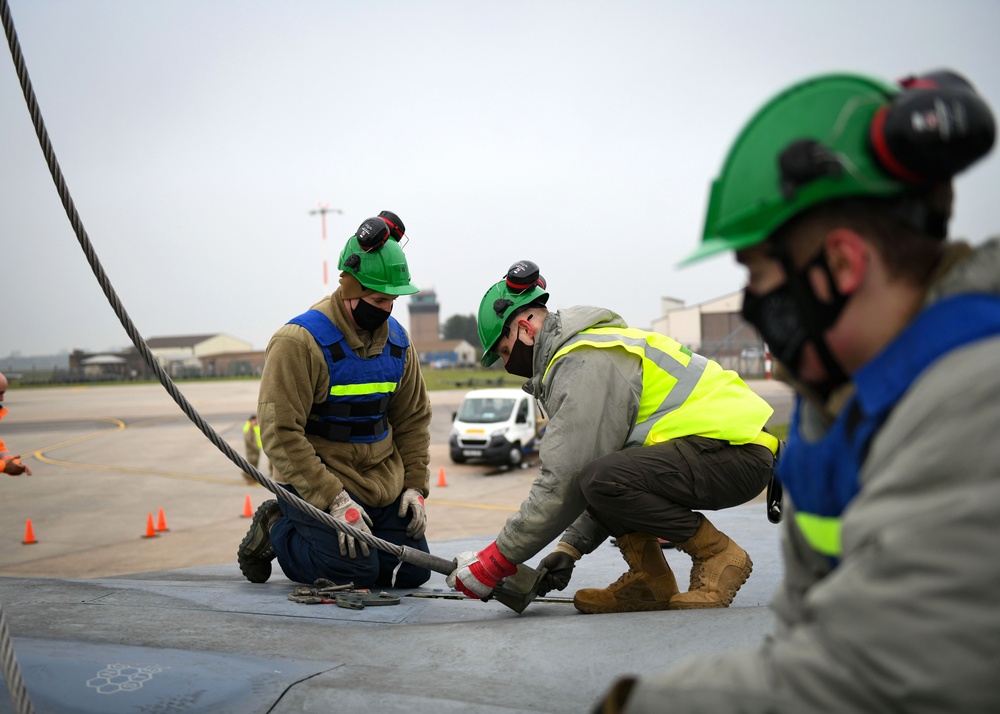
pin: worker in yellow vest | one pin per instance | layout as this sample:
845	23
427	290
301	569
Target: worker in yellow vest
252	446
642	435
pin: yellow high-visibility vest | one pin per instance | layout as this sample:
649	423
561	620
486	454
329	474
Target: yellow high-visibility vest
683	394
256	432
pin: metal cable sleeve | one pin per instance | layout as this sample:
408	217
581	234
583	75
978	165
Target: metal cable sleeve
11	669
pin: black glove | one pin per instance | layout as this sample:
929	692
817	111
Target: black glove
560	568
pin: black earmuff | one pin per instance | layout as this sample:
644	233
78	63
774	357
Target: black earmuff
372	234
522	276
396	227
935	128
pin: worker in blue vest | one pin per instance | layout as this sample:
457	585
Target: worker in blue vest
345	422
836	197
642	436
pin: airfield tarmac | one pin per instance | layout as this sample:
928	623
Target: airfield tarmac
105	458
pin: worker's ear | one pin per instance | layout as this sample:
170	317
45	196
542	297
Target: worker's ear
528	325
848	255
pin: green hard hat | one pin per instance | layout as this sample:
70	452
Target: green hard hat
521	286
382	269
820	128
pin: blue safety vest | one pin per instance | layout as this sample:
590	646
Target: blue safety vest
360	388
822	477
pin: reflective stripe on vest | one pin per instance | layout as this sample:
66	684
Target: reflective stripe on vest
821	532
683	394
340	390
256	432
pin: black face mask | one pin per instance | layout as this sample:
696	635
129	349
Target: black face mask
791	314
776	317
519	362
368	316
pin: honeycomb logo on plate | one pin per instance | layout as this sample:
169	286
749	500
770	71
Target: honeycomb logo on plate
122	678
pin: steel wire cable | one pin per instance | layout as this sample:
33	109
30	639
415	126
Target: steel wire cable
137	339
11	669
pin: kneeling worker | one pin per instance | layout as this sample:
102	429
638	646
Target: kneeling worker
642	434
345	420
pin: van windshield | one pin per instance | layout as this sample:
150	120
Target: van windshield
485	411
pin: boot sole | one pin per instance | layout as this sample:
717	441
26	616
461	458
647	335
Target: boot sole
727	597
256	567
589	609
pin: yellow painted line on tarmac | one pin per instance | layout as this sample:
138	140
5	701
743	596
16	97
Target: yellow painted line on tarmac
459	504
40	455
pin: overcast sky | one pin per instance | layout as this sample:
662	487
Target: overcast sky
197	136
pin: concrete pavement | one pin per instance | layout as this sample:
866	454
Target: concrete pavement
107	457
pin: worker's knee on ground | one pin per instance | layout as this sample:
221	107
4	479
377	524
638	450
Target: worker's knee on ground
361	571
304	560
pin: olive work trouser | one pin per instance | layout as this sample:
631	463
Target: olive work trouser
656	489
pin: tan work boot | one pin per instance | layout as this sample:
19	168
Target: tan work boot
720	567
648	585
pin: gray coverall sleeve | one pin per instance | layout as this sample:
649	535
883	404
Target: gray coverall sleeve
591	407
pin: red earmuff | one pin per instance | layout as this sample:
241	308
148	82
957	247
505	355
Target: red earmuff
396	228
522	276
372	234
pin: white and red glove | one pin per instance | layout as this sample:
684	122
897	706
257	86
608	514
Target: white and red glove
476	574
413	501
345	509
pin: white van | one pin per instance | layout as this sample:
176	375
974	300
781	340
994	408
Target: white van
495	426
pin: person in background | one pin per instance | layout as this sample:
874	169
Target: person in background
345	422
642	435
10	464
836	197
252	447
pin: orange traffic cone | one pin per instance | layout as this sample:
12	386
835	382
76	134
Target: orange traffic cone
247	507
29	533
161	521
150	531
442	481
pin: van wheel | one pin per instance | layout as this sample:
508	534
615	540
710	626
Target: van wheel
514	456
